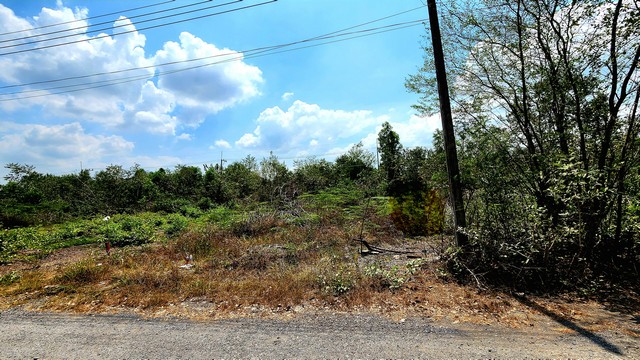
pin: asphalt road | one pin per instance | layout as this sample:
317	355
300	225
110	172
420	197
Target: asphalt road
25	335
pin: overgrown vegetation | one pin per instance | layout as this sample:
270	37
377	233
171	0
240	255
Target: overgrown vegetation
548	144
545	97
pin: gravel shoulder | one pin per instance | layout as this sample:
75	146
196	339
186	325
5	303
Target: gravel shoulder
56	336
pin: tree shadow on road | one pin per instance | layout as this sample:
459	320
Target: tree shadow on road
595	338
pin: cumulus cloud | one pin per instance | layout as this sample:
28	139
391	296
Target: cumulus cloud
287	96
210	88
307	129
303	125
222	144
58	146
181	99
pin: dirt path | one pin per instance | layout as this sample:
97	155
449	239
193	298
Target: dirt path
54	336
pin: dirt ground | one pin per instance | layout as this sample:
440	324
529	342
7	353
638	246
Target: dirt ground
425	297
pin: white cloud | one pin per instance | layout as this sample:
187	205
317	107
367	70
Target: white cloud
415	131
295	128
58	146
184	136
249	140
307	129
223	144
182	99
152	111
287	96
209	89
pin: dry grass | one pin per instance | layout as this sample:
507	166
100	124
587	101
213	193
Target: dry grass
279	270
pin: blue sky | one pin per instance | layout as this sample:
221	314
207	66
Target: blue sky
317	101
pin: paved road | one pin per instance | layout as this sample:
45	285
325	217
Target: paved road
53	336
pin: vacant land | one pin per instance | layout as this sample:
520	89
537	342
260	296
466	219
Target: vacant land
261	275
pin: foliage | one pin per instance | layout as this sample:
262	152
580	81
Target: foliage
420	213
545	96
9	278
356	165
390	156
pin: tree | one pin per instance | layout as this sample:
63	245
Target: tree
556	84
312	175
390	156
240	179
214	187
356	165
275	176
187	182
18	171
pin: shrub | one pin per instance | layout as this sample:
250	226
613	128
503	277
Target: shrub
419	214
10	278
176	223
83	272
125	230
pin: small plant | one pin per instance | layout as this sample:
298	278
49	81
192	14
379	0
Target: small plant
83	272
125	230
176	223
338	281
10	278
392	278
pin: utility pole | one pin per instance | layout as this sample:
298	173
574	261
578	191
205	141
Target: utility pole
221	161
451	153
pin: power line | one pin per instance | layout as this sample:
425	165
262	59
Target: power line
255	53
116	26
196	59
145	28
87	18
98	24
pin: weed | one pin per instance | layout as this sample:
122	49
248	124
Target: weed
392	278
176	223
10	278
338	280
126	230
256	223
83	272
198	243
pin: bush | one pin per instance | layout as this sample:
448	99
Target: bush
83	272
176	223
126	230
419	214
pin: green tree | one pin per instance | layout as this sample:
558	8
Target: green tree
547	95
187	182
312	175
390	158
275	178
241	180
356	165
214	186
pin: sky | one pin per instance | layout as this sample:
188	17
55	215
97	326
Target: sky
198	90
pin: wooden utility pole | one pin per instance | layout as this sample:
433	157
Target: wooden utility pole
447	126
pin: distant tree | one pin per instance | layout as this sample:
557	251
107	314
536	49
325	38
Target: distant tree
187	182
312	175
275	177
18	171
214	186
390	158
240	180
413	175
356	165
